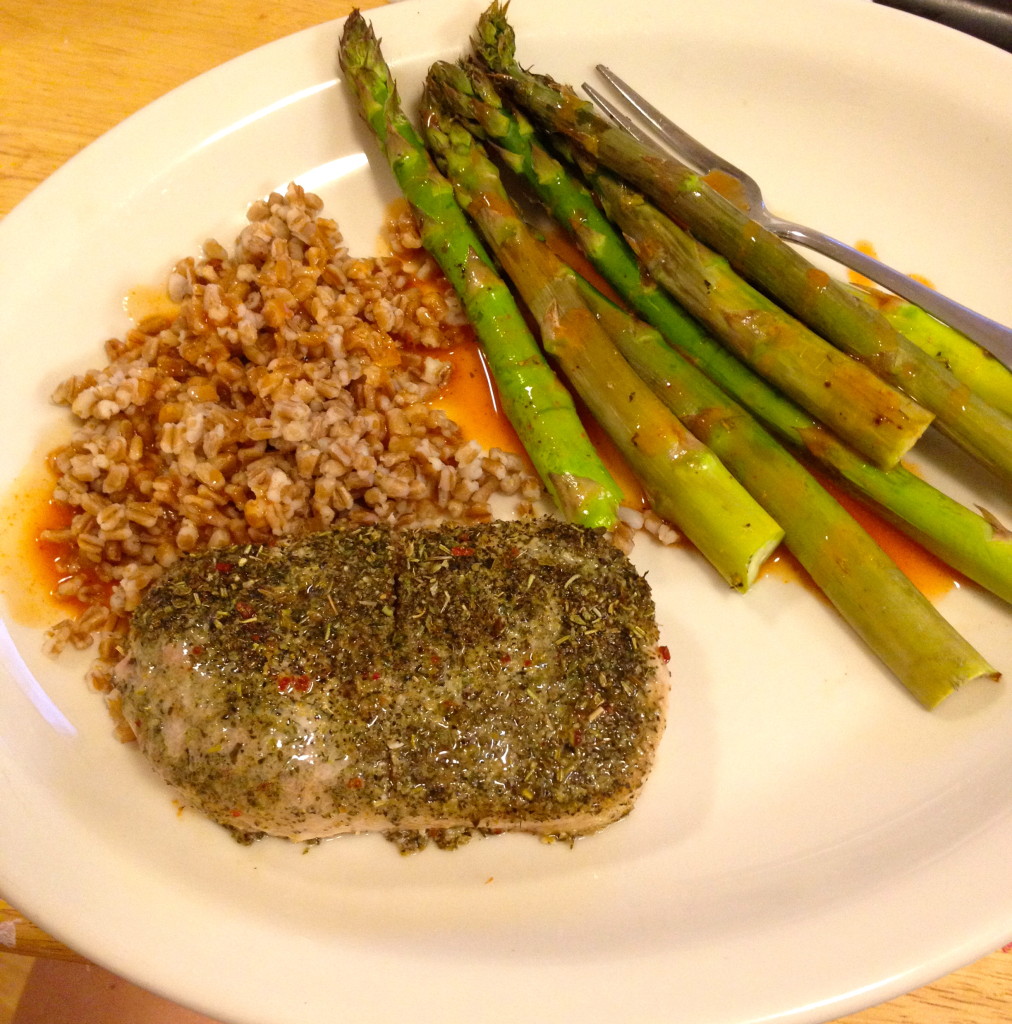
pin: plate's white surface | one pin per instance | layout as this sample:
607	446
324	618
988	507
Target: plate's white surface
811	841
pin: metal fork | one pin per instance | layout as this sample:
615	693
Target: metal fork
988	333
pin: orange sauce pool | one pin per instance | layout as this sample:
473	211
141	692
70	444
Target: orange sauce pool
869	250
31	569
471	398
928	573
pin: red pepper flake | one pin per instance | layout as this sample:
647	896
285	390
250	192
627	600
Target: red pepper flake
664	653
356	782
459	551
528	662
245	609
197	650
223	566
577	737
301	684
505	659
236	813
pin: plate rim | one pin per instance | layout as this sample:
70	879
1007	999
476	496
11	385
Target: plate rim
386	19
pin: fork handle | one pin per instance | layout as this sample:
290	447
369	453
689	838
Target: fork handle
990	20
988	333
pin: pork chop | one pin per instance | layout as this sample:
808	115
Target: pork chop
503	676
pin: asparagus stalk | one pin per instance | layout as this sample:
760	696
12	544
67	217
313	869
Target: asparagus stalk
865	586
877	420
977	368
971	543
975	545
756	253
683	480
469	93
874	597
535	401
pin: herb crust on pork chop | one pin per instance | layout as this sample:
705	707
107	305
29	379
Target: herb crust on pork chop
502	676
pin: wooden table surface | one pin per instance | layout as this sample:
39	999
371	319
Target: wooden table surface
72	69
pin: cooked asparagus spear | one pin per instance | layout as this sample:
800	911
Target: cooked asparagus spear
970	543
469	93
865	586
535	401
969	362
975	544
756	253
876	419
683	480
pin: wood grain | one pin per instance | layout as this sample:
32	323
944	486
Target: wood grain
20	935
14	971
71	70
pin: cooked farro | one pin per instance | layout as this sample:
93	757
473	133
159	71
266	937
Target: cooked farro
291	391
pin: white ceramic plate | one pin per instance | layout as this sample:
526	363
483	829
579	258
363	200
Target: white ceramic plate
811	841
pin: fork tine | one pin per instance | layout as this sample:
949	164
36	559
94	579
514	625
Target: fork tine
982	331
691	150
621	119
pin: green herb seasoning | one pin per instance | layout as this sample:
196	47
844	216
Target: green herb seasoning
433	682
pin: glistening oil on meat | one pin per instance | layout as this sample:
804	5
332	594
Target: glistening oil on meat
420	683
